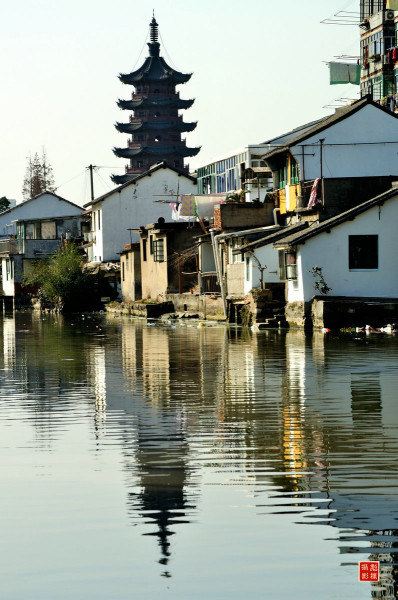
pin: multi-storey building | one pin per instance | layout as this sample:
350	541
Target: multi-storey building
229	175
379	51
156	126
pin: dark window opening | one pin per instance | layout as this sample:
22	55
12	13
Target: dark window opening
363	251
144	249
150	244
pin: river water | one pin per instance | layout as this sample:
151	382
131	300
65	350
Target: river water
155	462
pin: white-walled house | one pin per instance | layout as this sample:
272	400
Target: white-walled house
138	202
354	255
351	155
254	263
45	205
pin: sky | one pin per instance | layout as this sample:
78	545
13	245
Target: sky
259	70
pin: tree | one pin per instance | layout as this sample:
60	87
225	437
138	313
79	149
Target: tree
39	176
61	281
4	203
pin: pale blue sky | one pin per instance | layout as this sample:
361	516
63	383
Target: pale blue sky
257	67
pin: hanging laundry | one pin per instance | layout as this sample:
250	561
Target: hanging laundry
341	73
392	5
315	194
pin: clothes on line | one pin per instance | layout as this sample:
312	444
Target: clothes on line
341	73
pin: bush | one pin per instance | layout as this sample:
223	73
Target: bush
60	280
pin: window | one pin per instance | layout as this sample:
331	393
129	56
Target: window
144	241
159	250
294	172
282	177
99	219
150	244
287	265
363	252
122	270
33	231
9	269
48	230
247	262
94	228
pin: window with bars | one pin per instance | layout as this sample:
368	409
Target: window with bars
158	253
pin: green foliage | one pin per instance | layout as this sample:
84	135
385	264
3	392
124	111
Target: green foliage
60	280
4	203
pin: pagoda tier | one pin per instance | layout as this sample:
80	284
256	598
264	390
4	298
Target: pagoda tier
139	125
149	103
155	68
156	126
163	151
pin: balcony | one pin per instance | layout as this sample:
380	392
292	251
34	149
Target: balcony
9	246
38	248
89	237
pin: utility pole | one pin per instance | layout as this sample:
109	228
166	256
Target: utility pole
91	169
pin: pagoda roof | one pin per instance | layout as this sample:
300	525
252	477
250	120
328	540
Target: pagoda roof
155	68
180	150
145	102
141	125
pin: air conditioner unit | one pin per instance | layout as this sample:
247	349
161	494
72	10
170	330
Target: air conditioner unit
389	15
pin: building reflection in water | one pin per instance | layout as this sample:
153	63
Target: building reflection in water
153	432
303	422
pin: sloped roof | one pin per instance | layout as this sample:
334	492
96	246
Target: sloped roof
317	126
25	202
162	165
272	237
301	237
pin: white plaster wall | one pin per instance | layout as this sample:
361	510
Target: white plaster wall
7	285
44	206
330	252
369	124
136	205
268	257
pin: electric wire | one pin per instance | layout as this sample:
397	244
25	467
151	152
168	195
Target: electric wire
68	180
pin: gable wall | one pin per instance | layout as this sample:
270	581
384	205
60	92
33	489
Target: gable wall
134	206
368	124
330	252
42	207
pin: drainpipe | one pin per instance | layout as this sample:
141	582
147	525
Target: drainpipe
214	243
321	142
276	210
215	239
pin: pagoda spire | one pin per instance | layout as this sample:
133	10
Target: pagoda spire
155	126
153	29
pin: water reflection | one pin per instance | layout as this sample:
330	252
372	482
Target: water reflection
307	426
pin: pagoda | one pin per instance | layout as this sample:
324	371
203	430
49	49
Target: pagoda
155	126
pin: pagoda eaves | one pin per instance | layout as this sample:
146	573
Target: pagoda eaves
156	124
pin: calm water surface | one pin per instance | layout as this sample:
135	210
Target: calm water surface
150	462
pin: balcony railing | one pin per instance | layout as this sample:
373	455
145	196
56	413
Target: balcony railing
89	237
9	246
